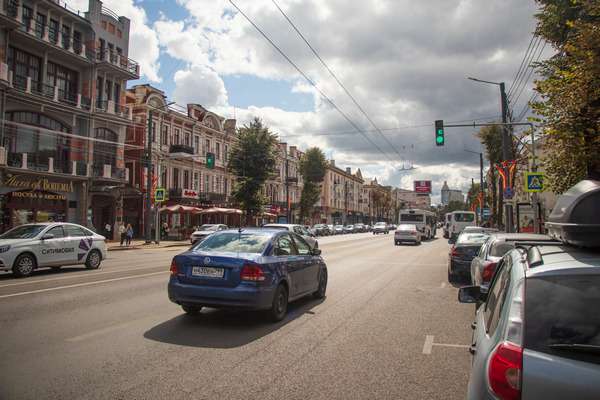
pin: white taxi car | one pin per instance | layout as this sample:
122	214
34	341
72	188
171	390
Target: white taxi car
30	246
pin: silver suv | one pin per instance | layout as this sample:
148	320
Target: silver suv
537	333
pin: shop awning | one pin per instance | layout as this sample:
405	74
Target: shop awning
218	210
180	209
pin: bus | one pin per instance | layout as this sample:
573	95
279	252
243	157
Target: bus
423	219
459	220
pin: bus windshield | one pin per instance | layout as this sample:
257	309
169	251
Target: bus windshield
464	217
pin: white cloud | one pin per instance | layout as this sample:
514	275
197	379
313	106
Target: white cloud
200	85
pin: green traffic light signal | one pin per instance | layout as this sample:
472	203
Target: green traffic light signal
210	160
439	133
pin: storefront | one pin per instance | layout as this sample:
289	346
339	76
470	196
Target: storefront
28	198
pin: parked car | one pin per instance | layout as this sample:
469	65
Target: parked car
331	229
339	229
461	254
349	229
368	228
28	247
320	229
459	220
298	229
407	233
205	230
359	228
392	227
483	265
479	229
258	269
380	227
537	333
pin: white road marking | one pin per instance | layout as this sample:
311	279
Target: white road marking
73	275
80	284
428	344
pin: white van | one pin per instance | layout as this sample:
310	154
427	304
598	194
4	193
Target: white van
459	220
423	219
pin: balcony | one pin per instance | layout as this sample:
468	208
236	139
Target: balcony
117	62
110	107
38	162
10	13
107	171
51	93
182	149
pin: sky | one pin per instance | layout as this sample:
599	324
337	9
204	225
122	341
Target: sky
404	62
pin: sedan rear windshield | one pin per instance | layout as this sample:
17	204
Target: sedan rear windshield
471	238
233	242
23	232
499	249
407	228
562	317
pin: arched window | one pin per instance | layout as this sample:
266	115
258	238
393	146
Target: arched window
105	150
39	136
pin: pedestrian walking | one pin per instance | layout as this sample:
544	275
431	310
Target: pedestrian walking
129	234
165	230
122	233
107	228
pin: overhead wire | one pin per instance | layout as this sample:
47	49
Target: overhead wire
522	65
311	82
336	79
529	75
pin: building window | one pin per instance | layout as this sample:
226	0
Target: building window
176	136
196	181
65	79
24	65
186	179
103	24
27	16
66	36
165	135
196	144
207	183
207	148
186	136
154	124
175	178
218	150
225	153
40	25
119	33
163	176
111	28
53	31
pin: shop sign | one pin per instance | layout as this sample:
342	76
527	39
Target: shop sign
189	194
34	183
38	195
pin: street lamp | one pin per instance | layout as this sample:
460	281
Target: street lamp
506	141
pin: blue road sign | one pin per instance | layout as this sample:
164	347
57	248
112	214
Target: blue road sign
508	193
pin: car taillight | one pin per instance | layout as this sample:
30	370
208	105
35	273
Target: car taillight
488	271
413	233
505	369
173	268
454	252
252	273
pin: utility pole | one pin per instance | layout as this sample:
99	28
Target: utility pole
148	216
288	212
482	204
506	155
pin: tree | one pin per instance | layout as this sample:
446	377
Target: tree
313	166
570	91
473	195
252	160
491	138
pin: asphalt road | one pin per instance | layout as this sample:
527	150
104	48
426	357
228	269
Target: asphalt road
389	328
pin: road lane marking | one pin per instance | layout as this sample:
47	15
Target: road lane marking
81	284
73	275
428	344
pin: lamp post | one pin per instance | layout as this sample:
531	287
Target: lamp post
506	142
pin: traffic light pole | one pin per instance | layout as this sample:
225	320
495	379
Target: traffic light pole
506	155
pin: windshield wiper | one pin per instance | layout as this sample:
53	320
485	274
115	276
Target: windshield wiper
585	348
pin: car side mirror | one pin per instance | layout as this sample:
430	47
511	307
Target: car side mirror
316	252
471	294
48	236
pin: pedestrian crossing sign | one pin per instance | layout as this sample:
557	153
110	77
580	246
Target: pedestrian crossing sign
159	195
534	182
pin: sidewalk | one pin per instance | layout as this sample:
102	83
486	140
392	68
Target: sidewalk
141	244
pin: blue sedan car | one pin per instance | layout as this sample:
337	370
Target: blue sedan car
258	269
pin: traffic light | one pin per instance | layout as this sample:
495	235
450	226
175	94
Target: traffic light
439	132
210	160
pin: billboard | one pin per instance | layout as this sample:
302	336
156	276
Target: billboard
423	187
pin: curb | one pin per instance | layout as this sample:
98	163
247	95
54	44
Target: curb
139	247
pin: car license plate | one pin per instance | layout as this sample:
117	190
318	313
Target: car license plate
208	272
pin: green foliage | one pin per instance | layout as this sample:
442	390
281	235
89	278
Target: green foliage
491	138
252	160
453	206
472	195
313	166
570	91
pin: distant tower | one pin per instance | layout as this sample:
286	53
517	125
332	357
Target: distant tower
445	194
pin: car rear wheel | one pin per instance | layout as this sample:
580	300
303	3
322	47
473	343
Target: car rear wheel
24	265
320	293
93	260
279	305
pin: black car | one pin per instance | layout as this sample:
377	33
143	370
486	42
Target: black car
461	254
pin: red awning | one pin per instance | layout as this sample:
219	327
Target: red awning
180	209
218	210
